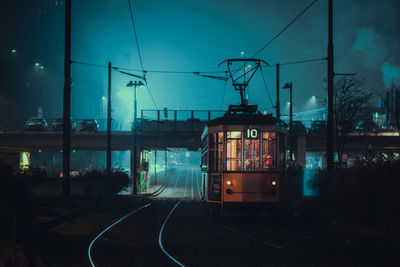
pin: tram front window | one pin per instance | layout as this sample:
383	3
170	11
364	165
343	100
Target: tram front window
234	151
252	155
269	150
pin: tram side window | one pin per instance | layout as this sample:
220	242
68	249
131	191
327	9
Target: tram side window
212	152
204	147
220	147
234	151
216	145
269	150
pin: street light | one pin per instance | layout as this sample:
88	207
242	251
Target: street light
290	87
134	85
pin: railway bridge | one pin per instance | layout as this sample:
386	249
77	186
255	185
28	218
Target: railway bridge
157	132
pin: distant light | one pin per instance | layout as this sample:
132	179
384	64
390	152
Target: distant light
273	183
242	53
37	64
313	97
13	51
288	103
41	67
249	66
104	98
229	182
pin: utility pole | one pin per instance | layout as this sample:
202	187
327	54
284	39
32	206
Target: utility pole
67	103
290	87
155	167
108	160
9	88
331	74
165	160
135	163
278	108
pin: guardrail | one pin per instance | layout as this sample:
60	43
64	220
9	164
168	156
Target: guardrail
180	115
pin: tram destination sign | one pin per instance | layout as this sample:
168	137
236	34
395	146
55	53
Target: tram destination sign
252	133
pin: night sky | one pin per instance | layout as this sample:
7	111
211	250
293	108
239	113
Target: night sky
180	35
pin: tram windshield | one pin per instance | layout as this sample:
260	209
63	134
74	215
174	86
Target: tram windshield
269	150
241	152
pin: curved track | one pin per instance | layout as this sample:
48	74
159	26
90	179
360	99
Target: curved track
109	227
164	224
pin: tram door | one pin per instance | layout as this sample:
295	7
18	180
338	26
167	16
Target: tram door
215	187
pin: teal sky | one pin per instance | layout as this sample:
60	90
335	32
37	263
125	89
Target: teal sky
195	35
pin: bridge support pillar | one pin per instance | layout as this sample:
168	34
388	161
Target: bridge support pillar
134	178
301	150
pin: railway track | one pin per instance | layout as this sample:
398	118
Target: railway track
190	192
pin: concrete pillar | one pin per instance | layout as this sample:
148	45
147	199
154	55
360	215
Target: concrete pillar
301	150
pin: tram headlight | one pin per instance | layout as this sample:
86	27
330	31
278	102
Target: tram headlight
229	182
273	182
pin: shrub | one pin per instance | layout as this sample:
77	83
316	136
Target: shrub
366	194
113	184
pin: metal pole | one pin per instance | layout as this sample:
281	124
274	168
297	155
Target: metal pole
108	160
278	108
330	126
165	160
67	103
291	121
9	89
135	139
155	167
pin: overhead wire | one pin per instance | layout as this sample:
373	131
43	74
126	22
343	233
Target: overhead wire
140	55
266	87
284	28
223	95
136	39
279	33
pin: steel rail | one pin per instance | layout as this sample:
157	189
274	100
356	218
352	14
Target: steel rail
109	227
163	227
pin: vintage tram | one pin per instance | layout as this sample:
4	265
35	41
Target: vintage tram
243	158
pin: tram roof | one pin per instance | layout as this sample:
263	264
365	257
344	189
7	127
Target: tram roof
255	119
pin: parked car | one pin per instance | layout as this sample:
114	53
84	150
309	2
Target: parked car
58	124
36	124
89	125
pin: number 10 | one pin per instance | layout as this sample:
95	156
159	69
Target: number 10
252	133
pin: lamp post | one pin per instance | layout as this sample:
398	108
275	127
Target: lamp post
290	87
135	165
10	107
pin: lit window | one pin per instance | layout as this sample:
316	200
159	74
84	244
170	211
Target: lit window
234	151
269	150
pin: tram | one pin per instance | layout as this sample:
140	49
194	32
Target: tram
243	157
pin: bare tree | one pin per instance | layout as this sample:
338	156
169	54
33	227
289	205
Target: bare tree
350	99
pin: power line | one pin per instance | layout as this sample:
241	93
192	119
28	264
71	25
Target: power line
136	39
302	61
223	95
193	72
287	26
266	87
88	64
140	56
151	95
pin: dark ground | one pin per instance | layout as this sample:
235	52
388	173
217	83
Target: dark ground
195	238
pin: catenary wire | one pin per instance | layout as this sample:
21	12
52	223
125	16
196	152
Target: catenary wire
136	39
266	87
284	29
